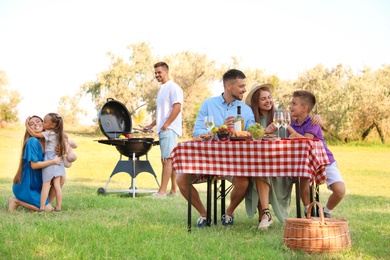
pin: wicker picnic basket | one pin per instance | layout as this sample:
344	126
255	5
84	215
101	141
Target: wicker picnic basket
317	234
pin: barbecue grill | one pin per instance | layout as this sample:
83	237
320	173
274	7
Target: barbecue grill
115	121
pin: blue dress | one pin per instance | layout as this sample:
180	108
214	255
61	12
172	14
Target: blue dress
29	190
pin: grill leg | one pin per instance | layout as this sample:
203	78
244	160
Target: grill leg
133	179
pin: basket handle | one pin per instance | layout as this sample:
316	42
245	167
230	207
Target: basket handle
319	206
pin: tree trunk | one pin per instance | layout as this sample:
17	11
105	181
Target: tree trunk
324	130
380	133
367	132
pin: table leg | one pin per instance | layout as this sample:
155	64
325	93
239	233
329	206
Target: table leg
189	203
297	197
215	201
223	195
208	216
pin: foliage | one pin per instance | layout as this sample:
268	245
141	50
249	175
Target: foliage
128	82
69	109
353	105
350	104
9	100
133	82
195	74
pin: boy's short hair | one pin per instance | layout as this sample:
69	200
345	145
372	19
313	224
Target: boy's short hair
232	75
161	64
306	97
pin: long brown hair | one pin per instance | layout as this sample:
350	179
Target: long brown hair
59	130
256	109
18	175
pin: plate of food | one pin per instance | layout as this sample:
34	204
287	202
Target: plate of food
269	137
206	137
297	136
241	136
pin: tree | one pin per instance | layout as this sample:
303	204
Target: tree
130	82
69	109
195	74
373	96
9	100
350	104
133	82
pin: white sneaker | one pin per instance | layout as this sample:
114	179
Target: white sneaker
156	195
172	194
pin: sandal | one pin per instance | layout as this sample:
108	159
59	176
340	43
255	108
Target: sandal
265	223
40	211
57	210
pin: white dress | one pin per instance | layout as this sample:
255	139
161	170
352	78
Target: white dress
55	170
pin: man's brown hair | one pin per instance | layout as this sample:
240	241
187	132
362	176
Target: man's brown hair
161	64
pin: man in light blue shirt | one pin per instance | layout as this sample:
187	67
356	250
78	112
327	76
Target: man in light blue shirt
224	110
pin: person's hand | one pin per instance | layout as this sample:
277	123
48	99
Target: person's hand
57	149
229	121
57	160
316	120
146	128
270	129
27	120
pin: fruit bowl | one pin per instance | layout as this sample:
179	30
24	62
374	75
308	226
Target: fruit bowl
223	136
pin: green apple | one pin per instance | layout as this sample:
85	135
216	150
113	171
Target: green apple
223	126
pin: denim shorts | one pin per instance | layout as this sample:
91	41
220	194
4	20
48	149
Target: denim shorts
168	141
333	174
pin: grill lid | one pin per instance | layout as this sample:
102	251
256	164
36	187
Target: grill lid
114	119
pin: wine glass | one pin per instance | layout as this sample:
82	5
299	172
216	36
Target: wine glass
278	119
286	122
208	123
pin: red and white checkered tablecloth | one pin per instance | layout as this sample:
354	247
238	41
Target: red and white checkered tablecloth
276	158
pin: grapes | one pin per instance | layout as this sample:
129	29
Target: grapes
256	130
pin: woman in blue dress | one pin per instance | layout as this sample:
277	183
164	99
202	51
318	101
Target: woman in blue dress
27	183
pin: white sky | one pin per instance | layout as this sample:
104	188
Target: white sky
48	48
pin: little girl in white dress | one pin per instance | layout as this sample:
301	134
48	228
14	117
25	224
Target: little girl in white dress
54	139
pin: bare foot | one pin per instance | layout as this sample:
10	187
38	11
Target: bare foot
49	208
12	204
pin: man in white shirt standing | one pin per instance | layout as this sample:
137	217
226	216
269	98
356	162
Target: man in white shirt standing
168	124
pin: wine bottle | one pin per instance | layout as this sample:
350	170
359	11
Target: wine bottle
239	121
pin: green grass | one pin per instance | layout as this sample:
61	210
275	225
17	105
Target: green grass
117	226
